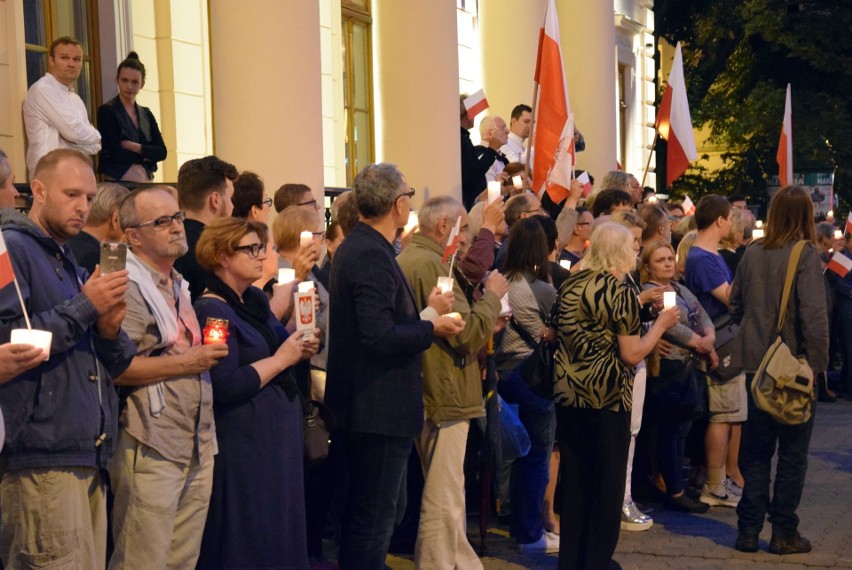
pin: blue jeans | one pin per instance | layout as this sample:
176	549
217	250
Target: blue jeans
376	466
530	473
671	439
761	435
844	314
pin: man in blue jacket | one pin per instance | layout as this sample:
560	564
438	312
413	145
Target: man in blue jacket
60	416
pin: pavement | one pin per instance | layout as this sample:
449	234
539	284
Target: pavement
680	540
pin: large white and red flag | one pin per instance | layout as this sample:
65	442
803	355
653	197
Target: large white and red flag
7	274
561	171
452	241
840	264
475	104
785	144
553	107
674	122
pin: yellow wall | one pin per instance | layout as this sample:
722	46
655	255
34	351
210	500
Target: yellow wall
13	85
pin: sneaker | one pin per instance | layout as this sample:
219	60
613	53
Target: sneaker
718	497
548	543
792	545
732	487
633	519
686	504
746	542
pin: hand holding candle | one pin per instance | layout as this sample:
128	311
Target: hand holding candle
33	337
669	299
215	331
494	191
518	182
306	239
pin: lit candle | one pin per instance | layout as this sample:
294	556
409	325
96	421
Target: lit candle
565	263
757	233
758	224
669	299
838	234
494	191
32	337
305	239
652	199
215	331
285	275
453	315
829	214
306	286
505	309
411	224
518	182
445	284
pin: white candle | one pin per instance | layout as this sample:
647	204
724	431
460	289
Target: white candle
565	263
305	239
33	337
411	224
838	234
758	224
757	233
305	286
494	191
286	275
445	284
669	299
652	199
505	309
517	181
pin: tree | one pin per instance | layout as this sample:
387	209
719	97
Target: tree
739	56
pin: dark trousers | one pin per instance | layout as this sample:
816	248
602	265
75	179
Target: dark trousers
593	445
376	466
761	435
671	442
531	472
844	315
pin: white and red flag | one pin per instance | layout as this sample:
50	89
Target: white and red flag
561	171
840	264
475	104
552	108
674	122
849	224
688	206
7	274
586	182
452	241
785	144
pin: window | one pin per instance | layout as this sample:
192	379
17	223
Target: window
357	85
46	20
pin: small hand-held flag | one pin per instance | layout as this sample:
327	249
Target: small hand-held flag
785	144
674	122
849	224
475	104
452	241
840	264
7	275
586	182
688	206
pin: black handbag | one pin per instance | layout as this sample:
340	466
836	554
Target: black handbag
537	369
677	394
726	333
319	423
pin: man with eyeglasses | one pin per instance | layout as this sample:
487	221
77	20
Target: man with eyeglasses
60	416
162	472
205	188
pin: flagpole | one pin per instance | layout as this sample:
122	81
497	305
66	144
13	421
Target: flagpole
531	138
452	261
23	307
650	154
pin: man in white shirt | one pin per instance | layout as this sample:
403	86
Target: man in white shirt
519	130
55	116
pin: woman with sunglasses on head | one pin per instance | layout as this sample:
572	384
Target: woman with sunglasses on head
257	510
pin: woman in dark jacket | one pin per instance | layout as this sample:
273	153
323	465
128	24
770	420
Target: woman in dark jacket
755	299
131	141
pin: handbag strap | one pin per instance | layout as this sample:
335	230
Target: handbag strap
526	336
792	264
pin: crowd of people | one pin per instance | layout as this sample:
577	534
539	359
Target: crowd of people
200	445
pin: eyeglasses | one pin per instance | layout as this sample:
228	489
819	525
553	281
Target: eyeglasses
267	202
538	210
252	249
162	222
583	223
320	235
310	203
410	193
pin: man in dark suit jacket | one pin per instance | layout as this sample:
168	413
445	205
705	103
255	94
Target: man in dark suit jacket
374	383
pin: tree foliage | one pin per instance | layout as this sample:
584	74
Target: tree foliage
739	56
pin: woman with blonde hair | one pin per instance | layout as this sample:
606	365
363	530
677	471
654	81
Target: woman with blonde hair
599	344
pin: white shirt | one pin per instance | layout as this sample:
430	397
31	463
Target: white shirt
55	117
514	149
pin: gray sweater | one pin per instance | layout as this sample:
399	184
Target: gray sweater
756	297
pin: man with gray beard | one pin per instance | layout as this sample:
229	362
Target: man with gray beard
162	471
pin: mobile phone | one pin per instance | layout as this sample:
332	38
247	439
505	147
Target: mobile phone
113	257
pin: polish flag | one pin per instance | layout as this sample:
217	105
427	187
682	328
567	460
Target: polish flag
688	206
562	170
452	242
475	104
849	224
7	274
785	145
674	122
552	108
840	264
587	184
